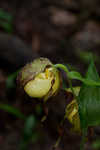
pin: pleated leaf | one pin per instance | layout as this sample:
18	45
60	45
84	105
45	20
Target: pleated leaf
89	100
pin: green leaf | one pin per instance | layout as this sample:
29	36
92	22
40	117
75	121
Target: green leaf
5	15
87	81
28	133
96	144
75	75
6	21
85	56
29	126
89	100
12	110
7	26
10	82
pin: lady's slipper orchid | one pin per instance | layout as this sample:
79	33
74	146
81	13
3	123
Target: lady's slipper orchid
40	78
72	112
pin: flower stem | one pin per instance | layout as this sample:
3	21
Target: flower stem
63	67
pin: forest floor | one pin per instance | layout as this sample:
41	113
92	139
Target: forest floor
63	31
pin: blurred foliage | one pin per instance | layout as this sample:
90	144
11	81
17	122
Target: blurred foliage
10	82
85	56
29	133
6	21
39	109
96	144
12	110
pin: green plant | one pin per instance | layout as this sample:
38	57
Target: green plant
40	79
6	21
28	134
84	110
12	110
96	144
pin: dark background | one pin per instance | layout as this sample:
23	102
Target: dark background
64	31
